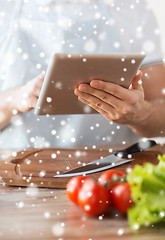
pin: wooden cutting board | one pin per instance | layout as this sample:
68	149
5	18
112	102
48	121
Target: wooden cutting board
36	167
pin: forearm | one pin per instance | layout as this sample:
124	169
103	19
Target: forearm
153	122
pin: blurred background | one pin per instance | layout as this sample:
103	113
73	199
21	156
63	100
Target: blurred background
158	7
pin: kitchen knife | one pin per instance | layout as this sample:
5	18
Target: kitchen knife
110	161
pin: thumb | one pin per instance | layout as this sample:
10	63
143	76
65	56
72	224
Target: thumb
137	83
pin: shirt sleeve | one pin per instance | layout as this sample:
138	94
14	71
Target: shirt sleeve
148	35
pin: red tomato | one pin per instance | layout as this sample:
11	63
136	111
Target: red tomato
73	187
93	198
108	176
121	197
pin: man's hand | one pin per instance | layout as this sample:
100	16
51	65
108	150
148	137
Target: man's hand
19	99
24	98
115	103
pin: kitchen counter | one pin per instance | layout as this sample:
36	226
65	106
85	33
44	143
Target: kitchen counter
44	213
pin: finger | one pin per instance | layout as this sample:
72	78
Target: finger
34	86
38	81
112	88
37	92
30	92
27	104
33	102
105	97
137	83
41	75
99	110
96	102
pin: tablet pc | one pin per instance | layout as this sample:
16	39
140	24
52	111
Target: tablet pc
65	72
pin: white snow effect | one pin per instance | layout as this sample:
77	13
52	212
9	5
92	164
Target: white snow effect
120	231
42	54
63	122
131	41
53	155
110	150
14	112
32	191
38	66
25	56
90	46
87	109
53	132
100	217
65	23
42	173
157	31
58	229
146	74
148	46
49	99
27	161
39	142
14	154
47	215
128	170
73	139
116	44
16	120
58	85
77	153
19	50
20	204
87	207
102	36
136	226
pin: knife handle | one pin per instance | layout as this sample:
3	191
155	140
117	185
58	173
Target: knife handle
137	147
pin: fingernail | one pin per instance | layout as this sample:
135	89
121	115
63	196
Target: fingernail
82	88
78	92
94	84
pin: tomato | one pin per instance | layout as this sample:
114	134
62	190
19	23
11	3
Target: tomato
121	197
110	175
73	187
93	198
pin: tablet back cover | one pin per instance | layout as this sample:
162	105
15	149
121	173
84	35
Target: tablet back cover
66	72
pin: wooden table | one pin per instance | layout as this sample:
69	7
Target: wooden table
42	213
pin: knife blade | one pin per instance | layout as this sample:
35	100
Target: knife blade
117	158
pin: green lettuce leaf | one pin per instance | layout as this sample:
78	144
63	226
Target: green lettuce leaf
147	184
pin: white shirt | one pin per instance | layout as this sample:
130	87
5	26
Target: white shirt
30	31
